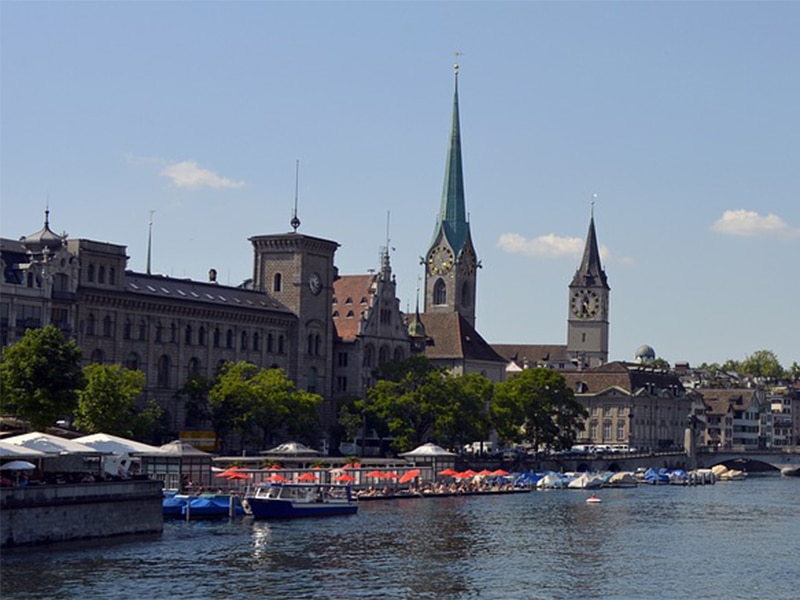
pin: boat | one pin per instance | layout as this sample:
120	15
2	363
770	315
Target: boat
295	500
203	506
593	499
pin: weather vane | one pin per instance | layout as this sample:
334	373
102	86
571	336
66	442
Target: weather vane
458	53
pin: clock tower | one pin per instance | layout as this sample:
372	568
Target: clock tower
451	263
587	325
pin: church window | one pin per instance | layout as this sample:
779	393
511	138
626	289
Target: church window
383	355
277	282
108	327
368	352
439	292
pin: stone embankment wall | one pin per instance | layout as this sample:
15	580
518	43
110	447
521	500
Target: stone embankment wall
40	514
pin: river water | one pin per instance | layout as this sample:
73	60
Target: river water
730	540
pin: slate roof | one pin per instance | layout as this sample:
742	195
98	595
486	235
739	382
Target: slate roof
352	297
630	377
450	336
717	400
530	354
159	286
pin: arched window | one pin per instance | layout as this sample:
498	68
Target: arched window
101	274
398	354
173	333
90	273
439	292
269	342
244	340
256	342
112	276
194	366
281	348
187	335
159	332
312	380
108	327
97	356
310	347
383	355
163	371
217	337
126	329
132	362
201	336
142	330
90	325
317	345
368	353
277	282
229	339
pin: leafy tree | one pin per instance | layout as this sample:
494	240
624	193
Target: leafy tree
151	423
537	406
659	363
465	415
196	391
793	372
245	397
108	401
40	377
762	363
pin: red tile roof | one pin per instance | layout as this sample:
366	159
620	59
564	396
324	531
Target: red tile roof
352	297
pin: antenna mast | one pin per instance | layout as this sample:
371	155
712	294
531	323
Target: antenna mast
295	222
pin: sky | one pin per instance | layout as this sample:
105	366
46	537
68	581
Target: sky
679	120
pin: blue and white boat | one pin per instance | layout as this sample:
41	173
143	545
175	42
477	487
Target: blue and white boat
295	500
204	506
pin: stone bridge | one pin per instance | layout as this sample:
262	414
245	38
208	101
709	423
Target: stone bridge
750	460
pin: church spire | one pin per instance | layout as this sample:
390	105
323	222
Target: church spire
453	214
590	272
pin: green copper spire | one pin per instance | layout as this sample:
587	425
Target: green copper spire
453	214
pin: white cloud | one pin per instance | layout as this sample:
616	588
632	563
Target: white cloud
544	246
188	174
750	223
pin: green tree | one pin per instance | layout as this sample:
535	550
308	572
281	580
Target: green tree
762	363
151	423
537	406
107	403
793	372
40	377
659	363
465	415
196	390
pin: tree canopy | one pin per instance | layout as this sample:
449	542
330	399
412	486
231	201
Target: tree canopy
107	403
537	406
40	376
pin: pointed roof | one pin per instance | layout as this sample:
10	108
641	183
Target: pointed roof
452	337
590	272
452	219
43	239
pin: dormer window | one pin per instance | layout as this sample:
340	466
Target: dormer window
277	282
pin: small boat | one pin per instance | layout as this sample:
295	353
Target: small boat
293	500
593	499
204	506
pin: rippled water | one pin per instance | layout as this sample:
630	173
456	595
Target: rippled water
731	540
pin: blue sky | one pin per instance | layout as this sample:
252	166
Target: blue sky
682	117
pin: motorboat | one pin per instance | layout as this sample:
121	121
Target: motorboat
593	499
203	506
295	500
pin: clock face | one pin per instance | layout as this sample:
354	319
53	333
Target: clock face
440	260
585	304
315	283
468	261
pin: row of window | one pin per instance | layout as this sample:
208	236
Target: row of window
99	273
191	336
440	293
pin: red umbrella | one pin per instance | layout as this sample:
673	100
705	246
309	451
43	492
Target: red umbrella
375	474
390	475
409	475
447	471
307	477
500	473
484	472
345	478
275	478
238	475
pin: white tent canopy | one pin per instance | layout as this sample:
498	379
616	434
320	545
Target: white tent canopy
180	448
292	449
51	444
430	450
14	451
105	442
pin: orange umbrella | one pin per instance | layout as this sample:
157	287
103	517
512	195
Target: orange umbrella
484	472
409	475
307	477
238	475
375	474
390	475
275	478
447	471
500	473
345	478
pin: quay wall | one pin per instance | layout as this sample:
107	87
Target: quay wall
40	514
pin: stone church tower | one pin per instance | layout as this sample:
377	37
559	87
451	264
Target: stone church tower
451	263
587	326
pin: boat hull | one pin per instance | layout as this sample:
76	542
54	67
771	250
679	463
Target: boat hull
271	508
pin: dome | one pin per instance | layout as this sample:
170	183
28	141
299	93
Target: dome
645	352
44	240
